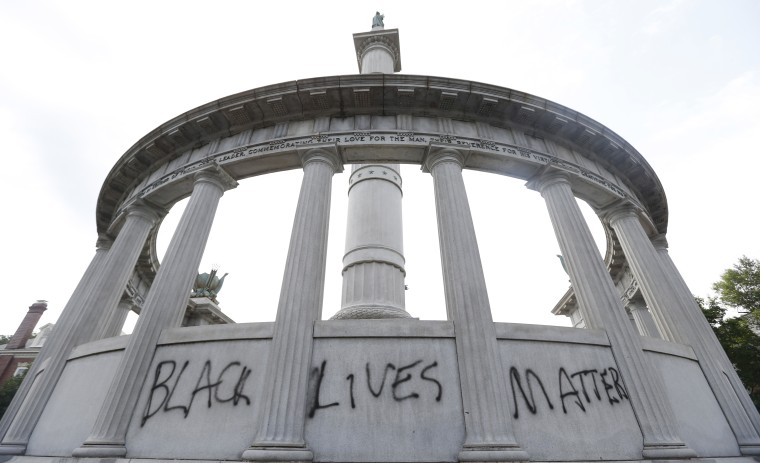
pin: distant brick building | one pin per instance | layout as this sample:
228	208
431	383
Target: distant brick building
16	356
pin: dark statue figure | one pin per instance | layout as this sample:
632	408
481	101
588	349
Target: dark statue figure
208	285
377	21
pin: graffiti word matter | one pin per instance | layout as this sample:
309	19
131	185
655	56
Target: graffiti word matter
224	387
577	390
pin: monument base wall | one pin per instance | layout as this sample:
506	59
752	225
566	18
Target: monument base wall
380	391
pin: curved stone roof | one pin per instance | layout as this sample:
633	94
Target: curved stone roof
383	95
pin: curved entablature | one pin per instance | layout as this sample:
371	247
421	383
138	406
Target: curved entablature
483	119
380	118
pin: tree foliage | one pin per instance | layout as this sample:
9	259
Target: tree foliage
739	287
8	390
741	343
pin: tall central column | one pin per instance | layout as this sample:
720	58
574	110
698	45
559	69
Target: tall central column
373	265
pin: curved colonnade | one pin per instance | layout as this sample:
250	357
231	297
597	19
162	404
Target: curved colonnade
303	389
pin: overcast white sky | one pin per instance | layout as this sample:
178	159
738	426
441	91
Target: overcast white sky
80	82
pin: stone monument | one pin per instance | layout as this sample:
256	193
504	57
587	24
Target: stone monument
652	385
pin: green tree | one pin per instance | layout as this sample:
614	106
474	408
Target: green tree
8	390
741	343
739	287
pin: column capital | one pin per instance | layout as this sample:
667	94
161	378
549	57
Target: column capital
145	210
103	242
327	153
619	210
387	40
660	242
548	178
439	154
217	176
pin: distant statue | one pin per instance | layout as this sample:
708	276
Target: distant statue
564	265
208	285
377	21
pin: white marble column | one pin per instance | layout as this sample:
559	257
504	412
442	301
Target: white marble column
674	313
373	265
164	308
643	318
705	343
280	433
102	293
601	307
70	311
488	423
644	263
111	324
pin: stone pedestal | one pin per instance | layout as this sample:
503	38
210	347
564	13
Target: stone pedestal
204	311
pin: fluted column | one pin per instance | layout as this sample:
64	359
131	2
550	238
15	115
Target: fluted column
373	265
601	307
99	290
643	319
674	312
74	304
644	263
111	324
280	433
705	343
164	308
488	424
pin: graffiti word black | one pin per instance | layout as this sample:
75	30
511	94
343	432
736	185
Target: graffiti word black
225	387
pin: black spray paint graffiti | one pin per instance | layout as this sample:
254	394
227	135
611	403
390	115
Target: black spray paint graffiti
227	387
574	388
406	384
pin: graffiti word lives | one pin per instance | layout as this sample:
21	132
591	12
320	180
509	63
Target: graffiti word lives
400	383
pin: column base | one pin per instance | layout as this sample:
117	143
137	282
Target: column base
750	450
12	449
668	452
369	312
278	454
493	454
110	450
